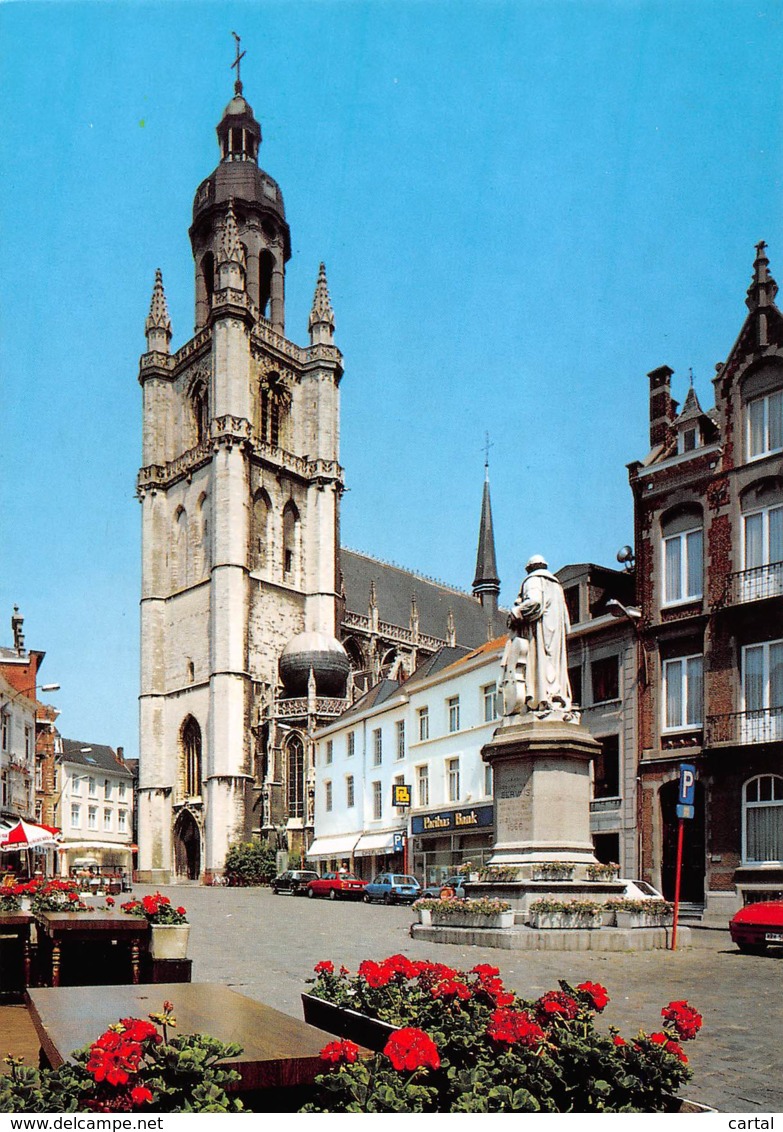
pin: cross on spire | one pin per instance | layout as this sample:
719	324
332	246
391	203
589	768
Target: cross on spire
240	55
486	446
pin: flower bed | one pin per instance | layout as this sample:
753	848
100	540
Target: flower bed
54	896
466	1043
460	913
603	872
642	913
554	871
157	908
135	1066
569	914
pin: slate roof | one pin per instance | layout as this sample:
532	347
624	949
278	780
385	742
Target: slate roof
394	587
98	757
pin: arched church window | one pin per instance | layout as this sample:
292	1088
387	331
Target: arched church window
266	263
203	555
180	570
261	531
291	542
295	776
200	404
191	752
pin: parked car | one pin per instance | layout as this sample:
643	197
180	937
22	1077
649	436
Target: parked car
392	888
757	926
455	883
640	890
337	886
294	881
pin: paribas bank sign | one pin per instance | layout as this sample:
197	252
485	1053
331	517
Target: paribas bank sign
446	821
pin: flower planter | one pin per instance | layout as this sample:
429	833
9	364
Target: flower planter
643	919
565	920
169	941
345	1023
544	873
466	920
608	919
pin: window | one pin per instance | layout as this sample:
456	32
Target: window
28	743
400	738
490	697
121	792
92	817
39	775
76	784
762	819
122	821
5	724
682	566
350	796
377	747
488	780
452	775
765	424
295	776
688	440
605	675
377	801
762	688
606	768
107	822
575	680
191	753
351	749
763	545
107	790
92	787
682	693
453	706
328	796
423	785
571	595
424	723
329	751
76	816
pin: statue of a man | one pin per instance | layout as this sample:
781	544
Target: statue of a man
536	656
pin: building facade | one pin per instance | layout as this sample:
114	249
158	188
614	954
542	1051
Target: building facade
708	503
94	808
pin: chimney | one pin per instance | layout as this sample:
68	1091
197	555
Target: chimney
121	754
662	407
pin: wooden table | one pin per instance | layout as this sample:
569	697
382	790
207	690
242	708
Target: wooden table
18	924
75	927
278	1051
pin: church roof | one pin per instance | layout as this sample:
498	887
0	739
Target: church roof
394	588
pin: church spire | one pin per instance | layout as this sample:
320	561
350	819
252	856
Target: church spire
321	322
762	292
158	324
486	584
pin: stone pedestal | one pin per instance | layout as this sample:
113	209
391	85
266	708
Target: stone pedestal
541	776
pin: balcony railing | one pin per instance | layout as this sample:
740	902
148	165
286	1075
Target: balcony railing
745	727
754	585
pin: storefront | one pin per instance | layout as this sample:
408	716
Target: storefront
446	840
380	853
327	854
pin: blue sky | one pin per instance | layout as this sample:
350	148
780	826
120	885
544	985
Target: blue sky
523	208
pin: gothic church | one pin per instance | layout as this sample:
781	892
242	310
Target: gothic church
256	626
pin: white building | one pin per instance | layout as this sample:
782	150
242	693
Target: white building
17	755
94	808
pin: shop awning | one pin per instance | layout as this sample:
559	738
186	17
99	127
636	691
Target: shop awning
326	847
114	846
371	843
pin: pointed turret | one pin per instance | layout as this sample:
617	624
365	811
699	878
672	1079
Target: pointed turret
761	293
158	324
486	584
451	630
231	260
321	322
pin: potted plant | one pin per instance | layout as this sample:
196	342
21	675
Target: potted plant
10	899
169	927
135	1066
603	872
642	913
553	871
466	1043
465	913
499	874
547	913
55	896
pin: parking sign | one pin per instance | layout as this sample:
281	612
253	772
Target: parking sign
685	808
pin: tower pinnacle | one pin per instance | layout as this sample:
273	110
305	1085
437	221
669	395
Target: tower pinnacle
762	292
321	322
486	584
158	324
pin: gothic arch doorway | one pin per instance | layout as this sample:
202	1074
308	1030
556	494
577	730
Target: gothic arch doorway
187	846
693	848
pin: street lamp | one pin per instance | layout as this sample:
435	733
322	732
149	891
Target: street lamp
633	615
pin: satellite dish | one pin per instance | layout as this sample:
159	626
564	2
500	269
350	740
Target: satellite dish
625	554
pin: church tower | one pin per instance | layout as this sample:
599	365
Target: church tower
240	490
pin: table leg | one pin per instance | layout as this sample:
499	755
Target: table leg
135	959
55	963
26	961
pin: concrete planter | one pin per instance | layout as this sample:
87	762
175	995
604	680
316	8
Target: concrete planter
169	941
470	920
565	920
643	919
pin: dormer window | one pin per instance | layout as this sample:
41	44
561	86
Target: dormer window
688	440
765	424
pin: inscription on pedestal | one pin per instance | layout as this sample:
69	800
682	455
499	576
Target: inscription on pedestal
513	801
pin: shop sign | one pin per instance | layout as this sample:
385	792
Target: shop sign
447	821
401	794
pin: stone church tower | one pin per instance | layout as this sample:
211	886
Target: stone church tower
240	490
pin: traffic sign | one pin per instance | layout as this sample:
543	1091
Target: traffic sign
687	785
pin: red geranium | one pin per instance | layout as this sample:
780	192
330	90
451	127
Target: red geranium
141	1095
557	1004
325	967
181	911
515	1027
484	971
671	1047
139	1030
401	965
112	1062
686	1021
375	974
596	993
411	1049
338	1052
618	1041
451	988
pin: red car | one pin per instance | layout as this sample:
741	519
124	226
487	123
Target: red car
758	926
337	886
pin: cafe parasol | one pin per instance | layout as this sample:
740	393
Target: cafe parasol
26	835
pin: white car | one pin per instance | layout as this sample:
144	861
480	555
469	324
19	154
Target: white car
639	890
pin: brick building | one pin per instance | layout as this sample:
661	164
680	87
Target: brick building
708	503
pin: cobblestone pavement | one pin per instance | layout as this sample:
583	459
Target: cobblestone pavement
265	946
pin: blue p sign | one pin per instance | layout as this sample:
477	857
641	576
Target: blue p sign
687	784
